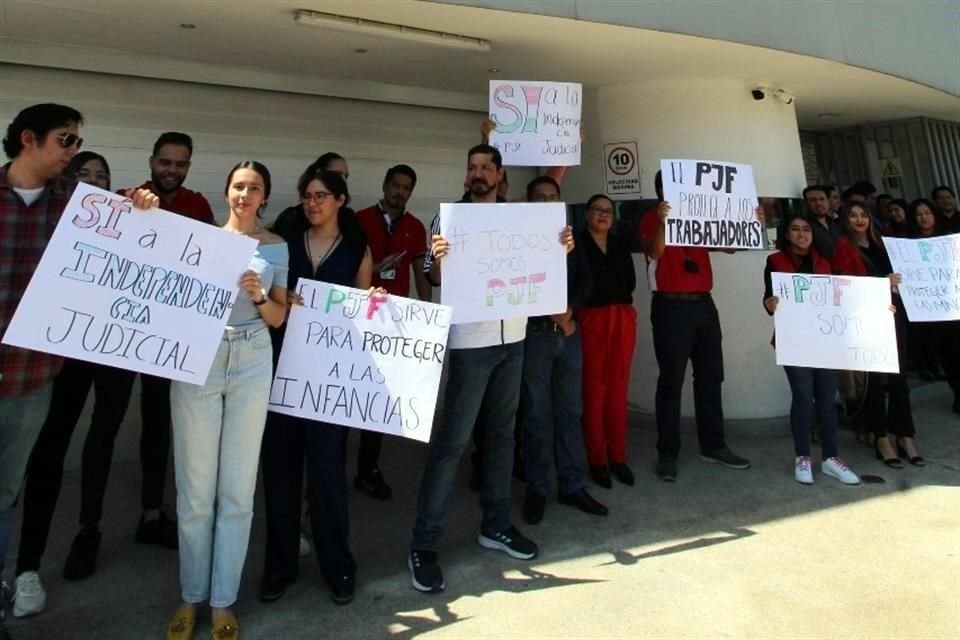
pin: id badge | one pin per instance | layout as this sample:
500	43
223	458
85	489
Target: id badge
388	273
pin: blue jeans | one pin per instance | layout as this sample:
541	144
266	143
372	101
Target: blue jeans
552	402
813	386
21	418
217	429
482	381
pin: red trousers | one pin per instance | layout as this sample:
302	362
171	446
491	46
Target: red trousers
608	335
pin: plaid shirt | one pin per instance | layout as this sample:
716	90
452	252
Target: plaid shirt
24	233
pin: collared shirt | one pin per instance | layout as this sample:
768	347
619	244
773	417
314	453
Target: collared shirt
678	269
404	235
187	203
24	234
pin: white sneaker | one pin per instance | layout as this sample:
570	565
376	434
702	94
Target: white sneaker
29	598
304	546
802	471
837	468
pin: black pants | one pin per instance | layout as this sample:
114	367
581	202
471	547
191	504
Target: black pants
886	405
685	329
287	441
45	469
154	439
369	454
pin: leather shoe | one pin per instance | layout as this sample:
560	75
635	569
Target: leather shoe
585	502
272	588
182	623
533	506
225	627
342	588
601	475
622	473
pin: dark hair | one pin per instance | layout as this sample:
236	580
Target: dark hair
486	149
912	216
844	219
658	185
533	184
402	170
598	196
884	196
261	170
900	202
782	243
320	164
817	187
41	119
330	179
849	192
863	188
175	138
942	187
82	158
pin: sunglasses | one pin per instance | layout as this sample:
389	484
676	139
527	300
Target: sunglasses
67	140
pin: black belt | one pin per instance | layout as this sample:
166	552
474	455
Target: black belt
544	324
677	295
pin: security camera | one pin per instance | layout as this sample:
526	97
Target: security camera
759	93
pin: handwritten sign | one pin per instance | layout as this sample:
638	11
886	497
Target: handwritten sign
145	291
367	362
538	123
713	204
505	260
835	322
931	276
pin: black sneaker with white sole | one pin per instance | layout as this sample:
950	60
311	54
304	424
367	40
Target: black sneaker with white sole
727	458
511	542
425	573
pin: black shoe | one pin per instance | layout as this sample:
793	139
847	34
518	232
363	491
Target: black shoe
601	475
162	531
622	473
272	588
667	469
725	457
83	556
533	506
373	485
585	502
425	573
342	588
511	542
916	461
893	463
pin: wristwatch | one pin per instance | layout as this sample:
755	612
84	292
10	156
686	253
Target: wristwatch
262	300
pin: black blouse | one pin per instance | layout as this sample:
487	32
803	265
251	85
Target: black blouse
614	278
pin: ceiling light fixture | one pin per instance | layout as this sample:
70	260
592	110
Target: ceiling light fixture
828	116
187	25
390	30
494	69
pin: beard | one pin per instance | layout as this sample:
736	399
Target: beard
159	183
479	187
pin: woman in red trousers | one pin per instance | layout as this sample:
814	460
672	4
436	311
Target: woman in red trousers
608	325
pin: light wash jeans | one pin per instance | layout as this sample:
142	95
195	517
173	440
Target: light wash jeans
21	418
217	429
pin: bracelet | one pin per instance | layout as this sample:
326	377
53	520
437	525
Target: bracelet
263	299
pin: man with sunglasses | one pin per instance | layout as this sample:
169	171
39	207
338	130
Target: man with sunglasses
169	166
40	142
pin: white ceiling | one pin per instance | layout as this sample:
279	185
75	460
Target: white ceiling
260	36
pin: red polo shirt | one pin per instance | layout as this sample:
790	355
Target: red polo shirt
405	235
668	273
187	203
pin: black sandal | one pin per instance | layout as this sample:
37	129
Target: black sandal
916	461
893	463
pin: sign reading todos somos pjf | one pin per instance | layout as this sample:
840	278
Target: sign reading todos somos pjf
538	123
371	362
713	204
148	291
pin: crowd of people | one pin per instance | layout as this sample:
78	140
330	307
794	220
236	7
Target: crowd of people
553	387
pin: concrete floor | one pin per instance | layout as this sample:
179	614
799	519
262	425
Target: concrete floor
719	554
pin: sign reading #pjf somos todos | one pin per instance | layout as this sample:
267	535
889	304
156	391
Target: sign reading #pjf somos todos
145	291
835	322
370	362
713	204
505	260
931	276
538	123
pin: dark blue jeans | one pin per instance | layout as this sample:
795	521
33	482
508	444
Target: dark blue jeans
552	408
813	387
486	382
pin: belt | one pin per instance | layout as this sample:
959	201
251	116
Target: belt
677	295
544	324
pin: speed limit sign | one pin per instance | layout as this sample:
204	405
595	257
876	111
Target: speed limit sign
620	167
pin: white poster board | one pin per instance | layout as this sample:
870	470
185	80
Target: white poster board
931	276
371	363
713	204
538	123
621	170
505	260
148	291
835	322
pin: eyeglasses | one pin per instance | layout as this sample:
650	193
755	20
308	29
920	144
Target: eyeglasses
67	140
317	197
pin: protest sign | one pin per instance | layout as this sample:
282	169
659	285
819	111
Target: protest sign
621	169
370	362
713	204
931	276
835	322
145	291
538	123
505	260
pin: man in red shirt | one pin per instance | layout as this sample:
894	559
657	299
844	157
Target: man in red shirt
398	242
686	326
169	165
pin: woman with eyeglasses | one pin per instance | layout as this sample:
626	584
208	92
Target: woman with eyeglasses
608	329
328	252
218	426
